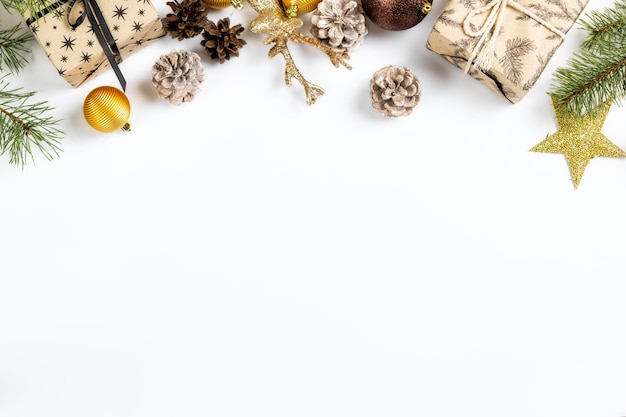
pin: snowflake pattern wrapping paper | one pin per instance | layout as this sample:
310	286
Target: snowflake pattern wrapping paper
505	45
76	52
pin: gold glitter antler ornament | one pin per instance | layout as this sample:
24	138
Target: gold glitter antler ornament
280	28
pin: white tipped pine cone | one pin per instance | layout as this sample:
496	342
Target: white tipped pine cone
339	23
178	76
395	91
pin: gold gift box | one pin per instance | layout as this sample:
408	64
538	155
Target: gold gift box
505	45
76	52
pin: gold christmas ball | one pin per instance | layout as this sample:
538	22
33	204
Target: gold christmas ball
396	14
222	4
293	8
107	109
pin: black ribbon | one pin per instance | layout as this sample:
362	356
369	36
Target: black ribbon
100	28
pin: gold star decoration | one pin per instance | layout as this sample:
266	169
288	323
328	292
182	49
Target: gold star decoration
579	138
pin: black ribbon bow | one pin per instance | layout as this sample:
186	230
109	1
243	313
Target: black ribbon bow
93	13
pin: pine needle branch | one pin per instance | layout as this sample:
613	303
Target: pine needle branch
26	126
23	6
13	47
591	79
597	73
604	27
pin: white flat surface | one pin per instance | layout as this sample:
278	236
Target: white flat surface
248	255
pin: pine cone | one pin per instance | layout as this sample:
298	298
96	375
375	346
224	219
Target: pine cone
339	23
187	20
395	91
178	76
221	41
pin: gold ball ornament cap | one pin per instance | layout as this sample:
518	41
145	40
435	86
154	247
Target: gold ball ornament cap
107	109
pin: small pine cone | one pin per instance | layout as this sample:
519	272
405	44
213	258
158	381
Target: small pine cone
187	20
395	91
178	76
339	23
221	41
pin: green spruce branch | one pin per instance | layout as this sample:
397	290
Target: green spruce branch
25	6
597	72
25	126
13	48
604	27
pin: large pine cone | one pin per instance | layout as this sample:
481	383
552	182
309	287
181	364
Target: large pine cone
187	19
178	76
339	23
222	41
395	91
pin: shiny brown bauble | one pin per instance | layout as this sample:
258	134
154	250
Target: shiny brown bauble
396	14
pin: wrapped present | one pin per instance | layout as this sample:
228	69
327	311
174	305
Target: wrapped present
84	38
504	44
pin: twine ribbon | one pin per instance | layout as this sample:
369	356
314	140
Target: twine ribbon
92	12
484	52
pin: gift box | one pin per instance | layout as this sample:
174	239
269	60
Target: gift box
505	45
85	38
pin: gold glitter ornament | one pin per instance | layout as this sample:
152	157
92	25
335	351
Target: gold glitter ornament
579	138
280	29
107	109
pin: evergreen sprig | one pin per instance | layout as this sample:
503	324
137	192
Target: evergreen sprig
13	48
26	126
603	28
597	72
24	6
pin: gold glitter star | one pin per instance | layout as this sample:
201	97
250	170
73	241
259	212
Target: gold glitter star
579	138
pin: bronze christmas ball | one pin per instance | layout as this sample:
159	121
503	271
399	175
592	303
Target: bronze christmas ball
396	14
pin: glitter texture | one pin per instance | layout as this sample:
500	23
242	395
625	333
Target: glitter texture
579	138
280	29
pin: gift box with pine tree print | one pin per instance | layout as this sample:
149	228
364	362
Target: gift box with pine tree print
77	47
505	45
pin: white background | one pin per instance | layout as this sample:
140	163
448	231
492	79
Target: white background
248	255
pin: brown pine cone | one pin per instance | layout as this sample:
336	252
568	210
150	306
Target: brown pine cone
221	41
395	91
187	20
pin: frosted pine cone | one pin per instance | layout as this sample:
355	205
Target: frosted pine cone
339	23
178	76
395	91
